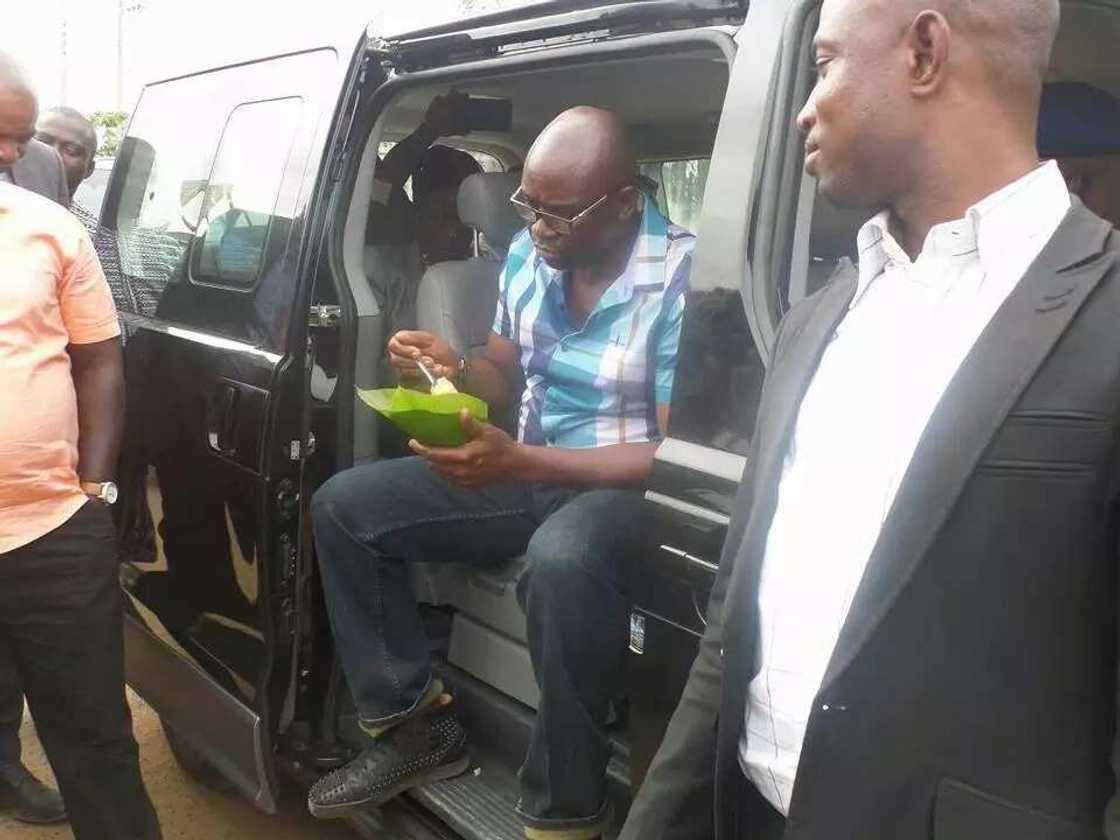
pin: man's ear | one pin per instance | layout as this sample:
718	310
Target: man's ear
928	41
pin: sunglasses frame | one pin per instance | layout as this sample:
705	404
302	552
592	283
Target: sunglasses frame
560	224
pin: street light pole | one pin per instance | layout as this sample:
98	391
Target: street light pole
120	54
123	8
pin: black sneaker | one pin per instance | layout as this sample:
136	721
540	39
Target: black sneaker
427	747
31	801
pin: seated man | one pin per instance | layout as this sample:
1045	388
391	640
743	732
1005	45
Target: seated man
588	320
1079	126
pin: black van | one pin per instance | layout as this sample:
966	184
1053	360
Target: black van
255	288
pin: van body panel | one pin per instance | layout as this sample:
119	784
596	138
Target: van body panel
203	235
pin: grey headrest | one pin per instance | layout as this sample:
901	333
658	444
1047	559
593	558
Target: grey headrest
484	205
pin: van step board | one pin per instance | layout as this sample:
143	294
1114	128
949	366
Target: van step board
478	805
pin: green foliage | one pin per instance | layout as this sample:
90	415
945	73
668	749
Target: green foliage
110	127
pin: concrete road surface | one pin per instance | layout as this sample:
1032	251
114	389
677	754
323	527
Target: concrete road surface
187	811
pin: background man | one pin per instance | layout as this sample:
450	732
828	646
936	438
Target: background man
60	426
36	167
586	333
74	138
914	630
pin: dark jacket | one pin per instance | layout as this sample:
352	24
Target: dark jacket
972	692
40	170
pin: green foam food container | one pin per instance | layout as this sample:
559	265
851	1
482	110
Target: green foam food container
429	418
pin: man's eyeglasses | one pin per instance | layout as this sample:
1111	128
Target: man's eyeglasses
560	224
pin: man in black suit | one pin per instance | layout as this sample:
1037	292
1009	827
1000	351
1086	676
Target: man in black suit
914	630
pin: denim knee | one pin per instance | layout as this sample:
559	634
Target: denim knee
347	498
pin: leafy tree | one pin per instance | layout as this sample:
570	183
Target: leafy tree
110	127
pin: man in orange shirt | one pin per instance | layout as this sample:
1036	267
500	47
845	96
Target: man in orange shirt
61	415
34	166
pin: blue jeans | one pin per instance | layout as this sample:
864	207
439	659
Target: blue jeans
372	520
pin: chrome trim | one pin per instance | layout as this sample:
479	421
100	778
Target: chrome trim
693	456
691	559
215	341
688	508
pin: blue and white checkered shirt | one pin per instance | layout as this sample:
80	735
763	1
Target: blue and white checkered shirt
599	385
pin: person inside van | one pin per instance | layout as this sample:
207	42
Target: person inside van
1079	126
585	340
404	237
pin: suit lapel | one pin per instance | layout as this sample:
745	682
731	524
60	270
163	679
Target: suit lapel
999	368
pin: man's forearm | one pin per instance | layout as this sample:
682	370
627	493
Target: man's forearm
486	381
405	157
99	383
621	465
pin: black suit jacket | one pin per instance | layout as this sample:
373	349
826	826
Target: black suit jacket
972	693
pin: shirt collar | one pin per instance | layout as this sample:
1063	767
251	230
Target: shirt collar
645	269
1021	211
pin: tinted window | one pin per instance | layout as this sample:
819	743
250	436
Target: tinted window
238	204
203	209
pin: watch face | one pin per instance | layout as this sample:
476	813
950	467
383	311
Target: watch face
109	492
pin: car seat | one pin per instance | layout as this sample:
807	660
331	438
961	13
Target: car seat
456	300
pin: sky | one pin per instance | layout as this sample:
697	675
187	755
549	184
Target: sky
70	47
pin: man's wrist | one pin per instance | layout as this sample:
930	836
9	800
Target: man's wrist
524	466
102	491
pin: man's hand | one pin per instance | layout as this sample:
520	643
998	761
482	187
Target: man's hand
409	345
489	457
447	115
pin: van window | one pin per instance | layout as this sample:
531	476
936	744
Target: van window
203	205
680	189
238	203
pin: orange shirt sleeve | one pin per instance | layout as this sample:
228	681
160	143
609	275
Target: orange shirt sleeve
85	299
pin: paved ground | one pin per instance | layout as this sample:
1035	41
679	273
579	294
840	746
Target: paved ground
187	810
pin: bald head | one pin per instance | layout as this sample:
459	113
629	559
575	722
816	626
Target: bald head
582	165
587	147
18	110
1013	38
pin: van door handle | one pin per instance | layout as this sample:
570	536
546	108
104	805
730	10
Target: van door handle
222	421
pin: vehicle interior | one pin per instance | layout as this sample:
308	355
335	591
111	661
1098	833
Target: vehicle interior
671	101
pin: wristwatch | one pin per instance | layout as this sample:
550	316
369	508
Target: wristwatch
103	491
462	369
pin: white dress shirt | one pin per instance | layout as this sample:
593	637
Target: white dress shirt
908	330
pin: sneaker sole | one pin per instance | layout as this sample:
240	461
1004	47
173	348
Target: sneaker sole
349	809
30	819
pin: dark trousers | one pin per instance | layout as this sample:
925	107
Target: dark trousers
11	716
60	624
371	520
